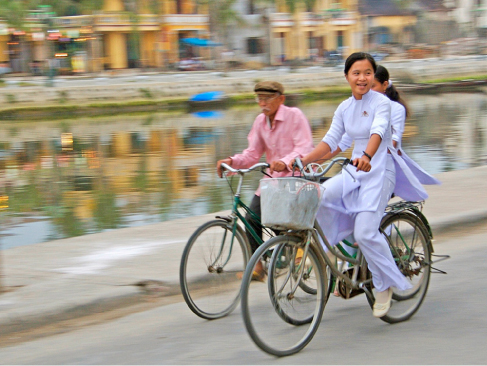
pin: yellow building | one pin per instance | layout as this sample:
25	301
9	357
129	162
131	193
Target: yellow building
156	33
383	22
309	32
4	37
345	25
117	37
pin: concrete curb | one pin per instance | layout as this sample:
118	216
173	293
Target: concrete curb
27	321
456	222
30	321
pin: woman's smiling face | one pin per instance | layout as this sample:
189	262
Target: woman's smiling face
360	77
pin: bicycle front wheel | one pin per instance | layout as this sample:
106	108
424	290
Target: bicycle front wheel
409	242
287	260
211	268
280	317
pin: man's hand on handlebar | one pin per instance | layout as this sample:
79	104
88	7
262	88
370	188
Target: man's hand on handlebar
219	169
277	166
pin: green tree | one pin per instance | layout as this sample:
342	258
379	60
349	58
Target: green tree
14	13
222	16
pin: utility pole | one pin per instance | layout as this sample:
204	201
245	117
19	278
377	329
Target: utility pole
3	205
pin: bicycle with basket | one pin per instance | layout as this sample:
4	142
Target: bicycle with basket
283	314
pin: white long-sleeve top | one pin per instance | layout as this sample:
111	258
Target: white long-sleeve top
360	119
398	121
356	120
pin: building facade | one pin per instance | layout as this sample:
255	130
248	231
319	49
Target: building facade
268	32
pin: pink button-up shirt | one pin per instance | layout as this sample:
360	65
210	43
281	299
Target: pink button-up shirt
290	137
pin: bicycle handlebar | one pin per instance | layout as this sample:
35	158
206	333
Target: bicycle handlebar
244	171
311	175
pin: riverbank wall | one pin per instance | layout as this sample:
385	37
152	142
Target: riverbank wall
27	98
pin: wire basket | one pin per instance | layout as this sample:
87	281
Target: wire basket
289	203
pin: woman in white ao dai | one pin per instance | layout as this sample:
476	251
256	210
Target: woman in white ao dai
357	206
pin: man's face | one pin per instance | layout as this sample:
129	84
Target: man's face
269	103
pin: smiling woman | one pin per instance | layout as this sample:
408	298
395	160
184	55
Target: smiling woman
355	204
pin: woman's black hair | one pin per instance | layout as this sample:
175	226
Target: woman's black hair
359	56
382	75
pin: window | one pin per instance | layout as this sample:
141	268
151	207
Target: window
340	39
309	6
251	7
255	46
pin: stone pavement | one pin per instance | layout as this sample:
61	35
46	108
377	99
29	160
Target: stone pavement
70	278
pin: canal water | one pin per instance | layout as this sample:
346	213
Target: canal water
74	177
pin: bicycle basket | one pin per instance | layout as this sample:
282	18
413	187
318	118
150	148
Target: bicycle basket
289	203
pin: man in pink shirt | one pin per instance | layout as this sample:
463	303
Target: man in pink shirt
281	133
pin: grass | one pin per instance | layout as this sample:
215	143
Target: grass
456	78
63	111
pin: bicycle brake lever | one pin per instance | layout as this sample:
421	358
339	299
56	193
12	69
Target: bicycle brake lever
294	166
264	172
345	168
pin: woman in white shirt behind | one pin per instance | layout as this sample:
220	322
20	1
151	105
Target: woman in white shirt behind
399	113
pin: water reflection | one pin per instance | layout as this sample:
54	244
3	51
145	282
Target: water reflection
75	177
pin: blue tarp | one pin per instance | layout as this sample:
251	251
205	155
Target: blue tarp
207	96
200	42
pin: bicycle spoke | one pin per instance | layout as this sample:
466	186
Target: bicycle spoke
280	316
211	267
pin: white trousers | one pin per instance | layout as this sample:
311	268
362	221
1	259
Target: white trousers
365	228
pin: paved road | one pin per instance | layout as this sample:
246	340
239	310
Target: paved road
448	329
67	279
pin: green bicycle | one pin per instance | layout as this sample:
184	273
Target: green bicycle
216	255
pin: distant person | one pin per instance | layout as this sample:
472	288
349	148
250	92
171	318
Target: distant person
52	69
279	132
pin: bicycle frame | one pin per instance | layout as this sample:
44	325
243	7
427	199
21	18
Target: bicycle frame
356	261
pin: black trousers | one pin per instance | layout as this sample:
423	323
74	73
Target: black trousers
255	208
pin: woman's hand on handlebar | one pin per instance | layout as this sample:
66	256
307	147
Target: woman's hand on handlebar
219	169
362	163
293	166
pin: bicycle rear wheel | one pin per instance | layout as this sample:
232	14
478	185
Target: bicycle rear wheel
212	264
280	317
410	245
